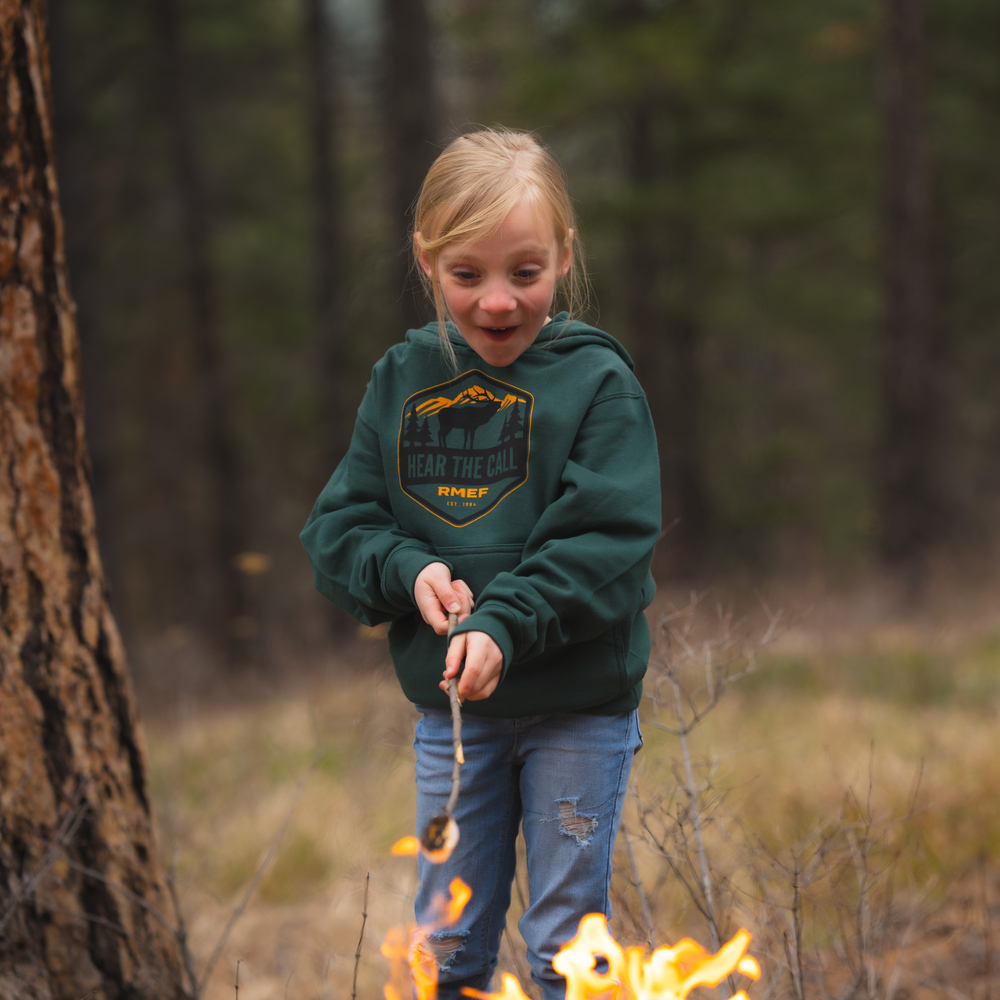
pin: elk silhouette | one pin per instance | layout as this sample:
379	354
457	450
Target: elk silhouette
466	418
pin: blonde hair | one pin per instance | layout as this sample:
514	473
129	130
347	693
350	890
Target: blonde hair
472	187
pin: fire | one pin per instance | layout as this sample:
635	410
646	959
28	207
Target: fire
667	974
413	968
436	845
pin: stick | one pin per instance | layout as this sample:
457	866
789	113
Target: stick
456	731
357	954
638	886
442	831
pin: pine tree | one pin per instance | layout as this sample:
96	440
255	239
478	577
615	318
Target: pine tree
82	894
423	433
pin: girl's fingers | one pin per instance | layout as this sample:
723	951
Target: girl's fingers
465	596
435	595
483	665
430	609
456	653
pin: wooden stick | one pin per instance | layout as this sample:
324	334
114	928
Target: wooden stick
357	954
456	731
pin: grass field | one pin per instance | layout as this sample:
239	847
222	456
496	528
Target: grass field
864	759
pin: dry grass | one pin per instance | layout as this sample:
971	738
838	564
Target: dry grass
827	713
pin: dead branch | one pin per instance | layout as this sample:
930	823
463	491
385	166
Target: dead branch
361	937
254	881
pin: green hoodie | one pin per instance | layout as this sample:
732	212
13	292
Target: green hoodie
537	484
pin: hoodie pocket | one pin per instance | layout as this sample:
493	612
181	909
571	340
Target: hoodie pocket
478	566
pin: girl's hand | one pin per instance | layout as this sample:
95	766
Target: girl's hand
436	594
483	665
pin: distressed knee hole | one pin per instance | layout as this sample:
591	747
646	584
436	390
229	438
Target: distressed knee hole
573	824
444	947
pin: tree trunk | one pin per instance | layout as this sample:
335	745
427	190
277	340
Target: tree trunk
329	293
80	880
229	612
666	336
911	502
411	115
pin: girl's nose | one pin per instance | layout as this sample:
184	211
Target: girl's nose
497	299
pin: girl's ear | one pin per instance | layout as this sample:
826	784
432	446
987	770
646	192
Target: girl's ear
425	261
567	254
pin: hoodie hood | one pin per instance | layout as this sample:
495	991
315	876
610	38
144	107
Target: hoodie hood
559	335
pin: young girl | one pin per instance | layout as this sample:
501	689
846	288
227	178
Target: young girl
503	466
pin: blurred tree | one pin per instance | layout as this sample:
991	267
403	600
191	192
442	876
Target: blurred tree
330	286
71	94
912	503
229	615
725	161
411	113
76	827
661	249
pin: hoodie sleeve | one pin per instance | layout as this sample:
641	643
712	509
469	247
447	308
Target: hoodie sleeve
586	563
362	559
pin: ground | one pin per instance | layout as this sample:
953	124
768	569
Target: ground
866	752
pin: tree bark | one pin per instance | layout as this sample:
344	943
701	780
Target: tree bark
229	612
80	880
913	512
411	115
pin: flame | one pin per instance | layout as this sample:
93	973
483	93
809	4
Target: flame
406	845
511	990
413	968
670	973
436	845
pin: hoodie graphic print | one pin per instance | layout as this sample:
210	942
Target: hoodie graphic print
464	445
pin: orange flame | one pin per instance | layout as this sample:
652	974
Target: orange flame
413	968
406	845
667	974
446	837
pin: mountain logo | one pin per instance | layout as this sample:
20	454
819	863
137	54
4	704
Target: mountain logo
463	445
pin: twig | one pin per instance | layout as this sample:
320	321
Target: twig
180	931
127	893
693	807
361	937
441	832
647	916
254	881
987	928
67	830
456	731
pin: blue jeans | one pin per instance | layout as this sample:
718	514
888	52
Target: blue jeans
566	776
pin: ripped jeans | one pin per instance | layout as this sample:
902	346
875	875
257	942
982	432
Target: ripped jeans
565	776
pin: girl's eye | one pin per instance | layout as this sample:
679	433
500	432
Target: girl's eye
526	273
465	275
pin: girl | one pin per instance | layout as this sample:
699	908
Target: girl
503	466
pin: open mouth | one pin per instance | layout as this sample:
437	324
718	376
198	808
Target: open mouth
499	331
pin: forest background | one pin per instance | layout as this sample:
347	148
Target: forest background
235	179
789	213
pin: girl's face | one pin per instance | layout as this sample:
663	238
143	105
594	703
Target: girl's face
499	288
